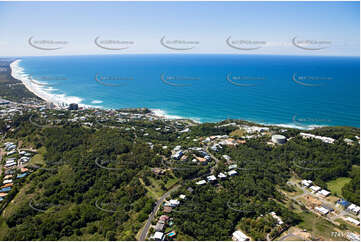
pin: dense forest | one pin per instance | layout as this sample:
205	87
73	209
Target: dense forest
90	188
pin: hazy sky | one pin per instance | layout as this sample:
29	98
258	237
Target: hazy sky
317	28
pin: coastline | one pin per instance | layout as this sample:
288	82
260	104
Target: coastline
41	90
37	88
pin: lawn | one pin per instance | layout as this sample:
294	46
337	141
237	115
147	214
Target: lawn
319	227
335	186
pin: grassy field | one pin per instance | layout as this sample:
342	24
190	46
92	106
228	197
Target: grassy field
319	227
335	186
348	226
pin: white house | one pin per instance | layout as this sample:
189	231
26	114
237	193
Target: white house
315	188
222	176
239	236
232	173
354	221
306	183
353	209
201	182
324	193
174	203
321	210
211	178
158	236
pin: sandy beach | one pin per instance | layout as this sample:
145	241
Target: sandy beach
41	89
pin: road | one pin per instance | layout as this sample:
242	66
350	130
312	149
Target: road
144	233
214	158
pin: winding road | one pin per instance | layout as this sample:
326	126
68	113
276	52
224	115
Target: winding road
144	233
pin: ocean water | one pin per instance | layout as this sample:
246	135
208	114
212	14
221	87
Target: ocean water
285	90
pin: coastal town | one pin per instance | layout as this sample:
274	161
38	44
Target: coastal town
189	152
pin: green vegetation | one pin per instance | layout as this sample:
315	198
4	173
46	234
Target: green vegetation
351	191
335	186
96	183
11	88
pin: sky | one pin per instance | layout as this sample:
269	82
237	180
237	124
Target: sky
276	28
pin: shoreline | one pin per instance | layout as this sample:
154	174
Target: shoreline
36	87
61	100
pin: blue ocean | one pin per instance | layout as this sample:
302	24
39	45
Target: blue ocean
299	91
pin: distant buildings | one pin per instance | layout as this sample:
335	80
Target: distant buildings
353	209
279	139
4	102
315	188
232	173
324	193
353	221
306	183
322	138
73	106
322	210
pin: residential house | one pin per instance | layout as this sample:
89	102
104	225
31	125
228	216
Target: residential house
239	236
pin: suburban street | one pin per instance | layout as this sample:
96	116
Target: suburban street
144	233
